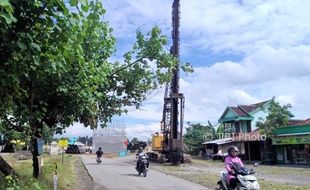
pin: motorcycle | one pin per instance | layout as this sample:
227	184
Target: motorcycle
245	176
98	159
142	166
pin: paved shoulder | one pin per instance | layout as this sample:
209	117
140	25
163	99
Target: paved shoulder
115	174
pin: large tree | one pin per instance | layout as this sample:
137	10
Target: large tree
54	67
196	134
278	116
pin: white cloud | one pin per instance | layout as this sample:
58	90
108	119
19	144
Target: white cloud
76	130
272	37
126	16
218	25
142	132
230	26
283	73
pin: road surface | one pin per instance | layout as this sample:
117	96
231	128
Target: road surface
118	174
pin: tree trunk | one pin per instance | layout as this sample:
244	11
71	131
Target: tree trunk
35	164
35	161
6	169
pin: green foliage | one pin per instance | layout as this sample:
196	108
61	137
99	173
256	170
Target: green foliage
54	67
220	129
25	135
12	183
65	138
134	140
47	134
6	13
67	174
195	135
12	134
278	117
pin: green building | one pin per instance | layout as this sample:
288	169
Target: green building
240	125
293	143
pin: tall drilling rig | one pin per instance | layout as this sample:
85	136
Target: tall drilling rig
168	144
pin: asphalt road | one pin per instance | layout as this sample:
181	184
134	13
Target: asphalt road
118	174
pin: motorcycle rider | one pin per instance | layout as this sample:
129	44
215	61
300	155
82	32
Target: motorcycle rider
232	157
99	153
139	155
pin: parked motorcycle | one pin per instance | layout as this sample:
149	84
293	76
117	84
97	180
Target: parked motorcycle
142	166
245	176
99	160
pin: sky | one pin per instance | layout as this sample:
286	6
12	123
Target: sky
243	52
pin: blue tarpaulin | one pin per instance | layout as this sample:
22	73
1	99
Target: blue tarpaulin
123	153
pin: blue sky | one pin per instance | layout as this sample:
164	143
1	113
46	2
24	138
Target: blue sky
243	52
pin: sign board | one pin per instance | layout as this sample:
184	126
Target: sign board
291	140
63	143
40	144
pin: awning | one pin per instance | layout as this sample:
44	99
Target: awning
293	130
292	135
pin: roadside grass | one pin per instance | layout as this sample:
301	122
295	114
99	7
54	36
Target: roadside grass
66	172
276	170
279	170
279	186
212	163
210	179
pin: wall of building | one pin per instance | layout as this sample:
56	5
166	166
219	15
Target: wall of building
230	114
111	139
109	144
243	126
259	114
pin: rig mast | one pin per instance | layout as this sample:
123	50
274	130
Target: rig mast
172	122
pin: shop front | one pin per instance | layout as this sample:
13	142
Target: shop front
293	144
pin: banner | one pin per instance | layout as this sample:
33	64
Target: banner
291	140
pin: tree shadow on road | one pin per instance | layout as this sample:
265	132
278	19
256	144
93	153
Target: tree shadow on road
136	175
107	164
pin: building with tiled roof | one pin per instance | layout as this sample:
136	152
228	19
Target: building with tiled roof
292	122
243	118
240	129
293	142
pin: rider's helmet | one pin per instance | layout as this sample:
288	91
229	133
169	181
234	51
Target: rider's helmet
232	149
100	148
140	149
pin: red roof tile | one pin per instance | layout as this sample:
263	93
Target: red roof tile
304	122
239	111
252	107
294	122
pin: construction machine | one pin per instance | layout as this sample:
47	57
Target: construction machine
167	145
